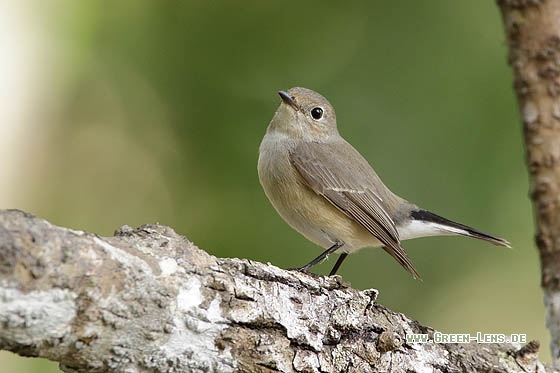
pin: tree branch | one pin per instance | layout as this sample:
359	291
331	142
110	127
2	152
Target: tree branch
533	36
148	300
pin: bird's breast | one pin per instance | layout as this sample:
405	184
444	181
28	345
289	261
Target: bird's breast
307	212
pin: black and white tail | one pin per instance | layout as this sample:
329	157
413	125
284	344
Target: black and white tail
450	227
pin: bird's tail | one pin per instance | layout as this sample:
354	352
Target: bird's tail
452	227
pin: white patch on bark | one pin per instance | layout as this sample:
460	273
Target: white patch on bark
530	112
189	295
196	329
35	317
425	360
168	266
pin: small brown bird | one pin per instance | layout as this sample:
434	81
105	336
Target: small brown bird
324	189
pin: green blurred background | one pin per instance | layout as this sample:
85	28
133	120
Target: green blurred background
135	112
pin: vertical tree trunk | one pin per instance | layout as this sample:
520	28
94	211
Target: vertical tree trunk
533	36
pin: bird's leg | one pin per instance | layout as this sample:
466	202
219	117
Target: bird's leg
321	257
341	258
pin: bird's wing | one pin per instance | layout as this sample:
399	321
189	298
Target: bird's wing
350	188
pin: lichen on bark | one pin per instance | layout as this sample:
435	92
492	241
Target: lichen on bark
148	300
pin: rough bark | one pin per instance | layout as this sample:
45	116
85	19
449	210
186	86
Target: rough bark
148	300
533	37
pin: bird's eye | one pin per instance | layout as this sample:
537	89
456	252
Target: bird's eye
317	113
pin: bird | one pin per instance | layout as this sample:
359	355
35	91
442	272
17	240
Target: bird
327	191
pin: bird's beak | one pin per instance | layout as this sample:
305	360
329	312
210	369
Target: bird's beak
288	99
